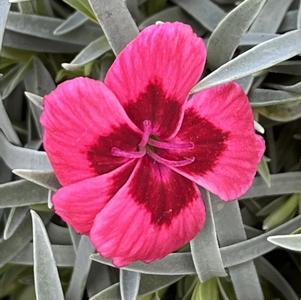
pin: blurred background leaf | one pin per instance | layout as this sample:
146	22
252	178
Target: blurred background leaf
44	42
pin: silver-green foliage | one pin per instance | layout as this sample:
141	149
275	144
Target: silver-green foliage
45	42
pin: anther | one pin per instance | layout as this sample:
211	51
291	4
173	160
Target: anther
171	163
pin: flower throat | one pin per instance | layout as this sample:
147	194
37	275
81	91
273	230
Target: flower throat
148	145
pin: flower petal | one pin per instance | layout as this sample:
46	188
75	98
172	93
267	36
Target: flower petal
78	203
83	121
153	75
219	121
156	212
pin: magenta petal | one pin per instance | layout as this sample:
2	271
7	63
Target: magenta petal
83	120
219	121
156	212
79	203
153	75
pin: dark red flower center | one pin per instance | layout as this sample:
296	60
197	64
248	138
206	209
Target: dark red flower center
148	146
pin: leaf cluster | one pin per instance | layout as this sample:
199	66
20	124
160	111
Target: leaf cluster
257	43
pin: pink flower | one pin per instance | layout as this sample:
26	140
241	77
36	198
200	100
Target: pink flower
130	152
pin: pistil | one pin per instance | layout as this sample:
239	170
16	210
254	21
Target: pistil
143	149
147	130
128	154
171	163
170	146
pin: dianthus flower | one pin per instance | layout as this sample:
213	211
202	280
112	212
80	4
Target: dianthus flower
131	151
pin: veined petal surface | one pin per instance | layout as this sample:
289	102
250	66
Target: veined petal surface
79	203
153	75
156	212
219	121
83	121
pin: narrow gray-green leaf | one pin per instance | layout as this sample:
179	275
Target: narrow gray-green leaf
187	286
11	247
259	128
71	23
282	183
82	6
205	249
223	291
251	231
63	254
290	242
60	9
21	193
206	12
45	179
299	16
246	83
4	9
35	99
98	279
225	38
134	9
148	285
75	238
21	158
295	88
271	206
49	200
22	41
5	173
43	7
173	14
173	264
17	1
81	270
264	171
205	291
285	112
282	213
39	80
46	277
258	58
94	50
291	67
25	7
58	234
271	274
116	22
267	97
43	27
230	230
110	293
250	249
129	284
271	16
15	219
7	127
225	2
289	22
255	38
10	80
